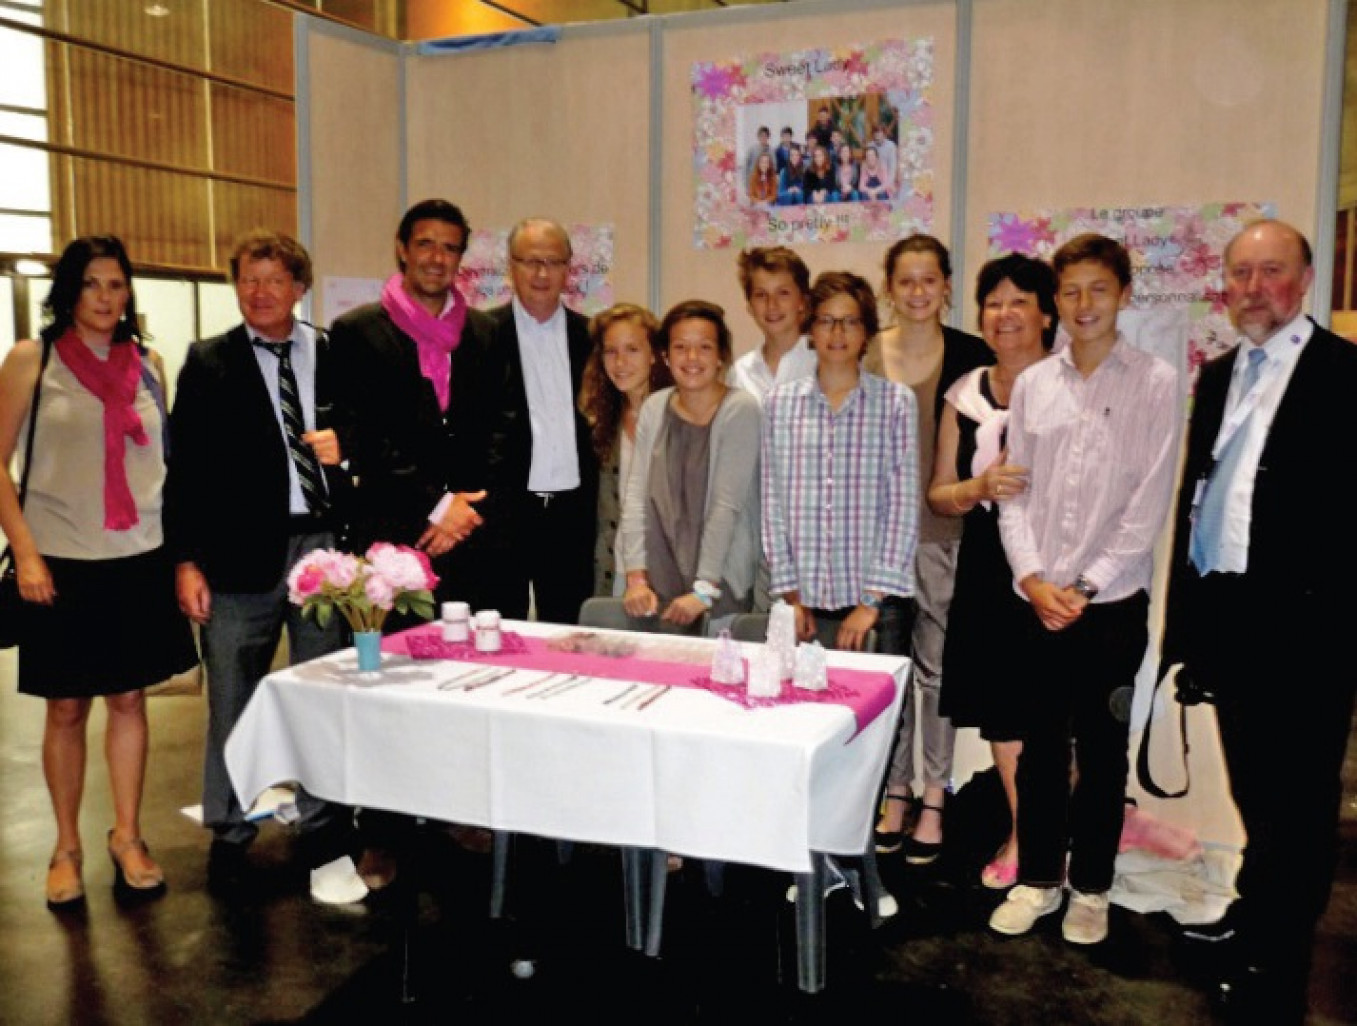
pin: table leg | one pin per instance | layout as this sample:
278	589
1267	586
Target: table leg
872	887
499	871
659	880
635	869
810	925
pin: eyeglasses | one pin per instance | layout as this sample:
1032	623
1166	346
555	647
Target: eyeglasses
850	325
538	264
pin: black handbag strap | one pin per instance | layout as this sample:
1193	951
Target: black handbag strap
1143	756
32	430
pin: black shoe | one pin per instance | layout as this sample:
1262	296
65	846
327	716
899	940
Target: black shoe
888	842
228	868
1252	995
923	853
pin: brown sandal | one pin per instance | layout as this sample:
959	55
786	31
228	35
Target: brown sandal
68	895
142	881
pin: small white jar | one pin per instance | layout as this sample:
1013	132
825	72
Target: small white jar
487	631
456	622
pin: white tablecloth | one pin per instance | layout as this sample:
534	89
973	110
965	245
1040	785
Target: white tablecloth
692	773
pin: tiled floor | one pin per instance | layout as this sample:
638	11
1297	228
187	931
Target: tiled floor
274	956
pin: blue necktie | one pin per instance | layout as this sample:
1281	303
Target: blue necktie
1208	530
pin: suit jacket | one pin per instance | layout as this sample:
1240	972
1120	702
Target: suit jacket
397	441
1301	544
227	503
491	430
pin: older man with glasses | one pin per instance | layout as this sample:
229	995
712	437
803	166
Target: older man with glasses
519	436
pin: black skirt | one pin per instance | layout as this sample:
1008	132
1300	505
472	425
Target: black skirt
979	685
115	627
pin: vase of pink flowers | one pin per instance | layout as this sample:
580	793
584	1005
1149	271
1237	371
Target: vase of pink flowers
364	590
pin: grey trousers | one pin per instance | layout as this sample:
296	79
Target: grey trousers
934	576
239	641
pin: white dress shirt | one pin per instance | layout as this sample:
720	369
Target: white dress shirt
1282	351
752	373
545	354
303	360
1102	452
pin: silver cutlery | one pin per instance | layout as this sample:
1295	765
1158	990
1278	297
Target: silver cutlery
532	683
488	680
486	675
569	684
635	702
654	696
475	671
621	694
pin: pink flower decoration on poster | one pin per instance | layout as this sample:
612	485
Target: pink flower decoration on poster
483	275
875	97
1177	254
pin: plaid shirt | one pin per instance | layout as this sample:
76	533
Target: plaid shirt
840	491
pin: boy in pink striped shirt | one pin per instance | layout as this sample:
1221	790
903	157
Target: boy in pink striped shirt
1097	427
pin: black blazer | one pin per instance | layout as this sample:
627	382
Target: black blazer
394	436
1300	542
226	492
491	432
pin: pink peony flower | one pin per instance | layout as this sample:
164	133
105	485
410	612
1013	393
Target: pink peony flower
307	577
379	591
399	566
342	569
430	578
361	589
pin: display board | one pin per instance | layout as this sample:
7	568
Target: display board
559	130
1062	106
350	124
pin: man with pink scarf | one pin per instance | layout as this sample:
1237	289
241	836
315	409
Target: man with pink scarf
394	361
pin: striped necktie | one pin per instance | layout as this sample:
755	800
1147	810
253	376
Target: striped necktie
294	426
1208	530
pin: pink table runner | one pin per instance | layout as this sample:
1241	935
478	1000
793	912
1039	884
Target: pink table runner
864	692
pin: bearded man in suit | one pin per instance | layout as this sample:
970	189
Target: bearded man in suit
1261	602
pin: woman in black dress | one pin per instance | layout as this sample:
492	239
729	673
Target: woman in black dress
971	476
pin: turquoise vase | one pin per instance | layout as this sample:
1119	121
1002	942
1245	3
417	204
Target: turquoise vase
369	645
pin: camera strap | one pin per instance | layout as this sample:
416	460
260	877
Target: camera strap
1143	756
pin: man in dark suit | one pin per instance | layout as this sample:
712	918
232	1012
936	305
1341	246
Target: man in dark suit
252	484
1261	601
393	376
518	435
394	370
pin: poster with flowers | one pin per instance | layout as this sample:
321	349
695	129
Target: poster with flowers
484	275
1177	255
827	145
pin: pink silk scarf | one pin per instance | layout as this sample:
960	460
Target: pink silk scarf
436	338
114	383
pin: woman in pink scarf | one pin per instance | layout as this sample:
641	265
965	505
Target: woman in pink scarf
85	405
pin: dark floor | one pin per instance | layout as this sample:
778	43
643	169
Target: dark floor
276	957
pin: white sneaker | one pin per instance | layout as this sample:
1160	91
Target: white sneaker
1086	918
886	906
1023	907
835	881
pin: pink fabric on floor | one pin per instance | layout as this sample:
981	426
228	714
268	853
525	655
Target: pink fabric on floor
867	694
1141	830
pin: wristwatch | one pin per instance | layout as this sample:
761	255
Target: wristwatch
870	601
1084	588
707	592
